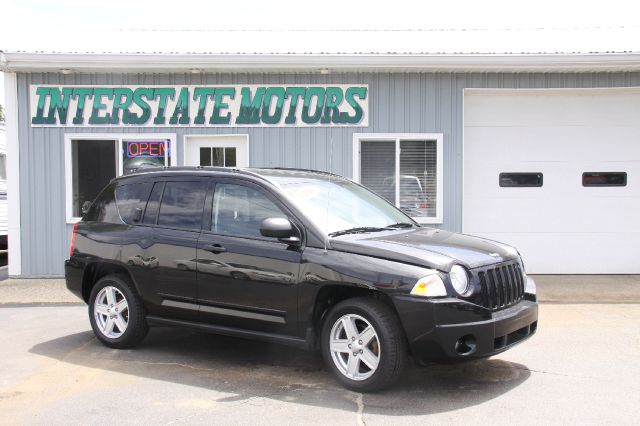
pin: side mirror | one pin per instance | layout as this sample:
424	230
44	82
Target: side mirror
277	227
85	207
281	228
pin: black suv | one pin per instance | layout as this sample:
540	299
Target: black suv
298	257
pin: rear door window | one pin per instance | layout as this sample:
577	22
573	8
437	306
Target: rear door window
131	200
182	204
153	205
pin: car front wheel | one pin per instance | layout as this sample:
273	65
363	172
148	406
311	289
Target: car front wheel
363	344
116	312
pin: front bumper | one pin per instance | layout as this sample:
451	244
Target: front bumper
451	329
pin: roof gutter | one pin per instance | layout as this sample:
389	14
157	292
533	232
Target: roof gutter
168	62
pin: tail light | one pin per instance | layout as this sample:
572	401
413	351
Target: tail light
73	240
423	205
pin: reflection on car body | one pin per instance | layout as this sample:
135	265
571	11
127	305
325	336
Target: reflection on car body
137	260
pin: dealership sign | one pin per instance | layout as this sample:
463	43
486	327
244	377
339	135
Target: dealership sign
215	106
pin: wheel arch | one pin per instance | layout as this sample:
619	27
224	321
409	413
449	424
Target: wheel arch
96	270
332	294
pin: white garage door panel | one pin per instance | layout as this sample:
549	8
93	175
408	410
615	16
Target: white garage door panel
574	253
533	215
561	227
607	107
565	142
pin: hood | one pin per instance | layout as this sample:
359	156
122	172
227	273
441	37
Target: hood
429	247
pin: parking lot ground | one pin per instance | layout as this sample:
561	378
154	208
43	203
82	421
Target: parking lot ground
580	368
551	289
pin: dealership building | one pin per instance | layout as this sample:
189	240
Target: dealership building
535	148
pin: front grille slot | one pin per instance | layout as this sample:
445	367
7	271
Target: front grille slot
501	286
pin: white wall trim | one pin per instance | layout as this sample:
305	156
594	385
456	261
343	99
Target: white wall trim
296	62
13	173
186	137
397	137
117	137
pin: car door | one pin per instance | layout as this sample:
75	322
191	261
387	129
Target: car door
163	257
246	280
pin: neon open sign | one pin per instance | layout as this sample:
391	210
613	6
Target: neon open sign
147	148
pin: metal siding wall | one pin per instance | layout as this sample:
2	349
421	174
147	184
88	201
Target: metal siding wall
398	102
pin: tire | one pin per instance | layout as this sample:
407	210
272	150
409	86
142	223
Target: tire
388	344
127	326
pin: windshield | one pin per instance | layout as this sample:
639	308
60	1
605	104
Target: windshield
336	204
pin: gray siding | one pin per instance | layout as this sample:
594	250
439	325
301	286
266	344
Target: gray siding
399	102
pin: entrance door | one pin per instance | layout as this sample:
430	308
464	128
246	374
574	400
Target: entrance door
217	151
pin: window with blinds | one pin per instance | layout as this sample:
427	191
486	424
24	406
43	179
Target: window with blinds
408	180
378	168
418	178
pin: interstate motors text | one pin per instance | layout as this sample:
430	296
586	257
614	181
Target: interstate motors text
246	105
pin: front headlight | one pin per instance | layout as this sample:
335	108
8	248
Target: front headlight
429	286
459	279
531	286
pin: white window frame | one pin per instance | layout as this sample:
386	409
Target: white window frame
243	139
358	138
117	138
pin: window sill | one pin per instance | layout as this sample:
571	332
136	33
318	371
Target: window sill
428	220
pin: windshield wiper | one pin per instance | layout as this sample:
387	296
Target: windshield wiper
358	230
401	225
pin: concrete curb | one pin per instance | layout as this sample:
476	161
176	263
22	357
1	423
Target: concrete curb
587	289
36	292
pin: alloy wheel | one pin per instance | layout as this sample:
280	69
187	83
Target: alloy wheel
354	347
111	312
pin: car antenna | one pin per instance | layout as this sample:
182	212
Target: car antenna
326	237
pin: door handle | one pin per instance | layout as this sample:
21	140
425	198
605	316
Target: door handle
215	248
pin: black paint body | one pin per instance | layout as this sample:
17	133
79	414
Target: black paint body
271	290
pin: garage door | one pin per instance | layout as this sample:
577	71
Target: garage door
556	173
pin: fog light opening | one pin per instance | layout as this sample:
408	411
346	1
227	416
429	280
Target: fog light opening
466	345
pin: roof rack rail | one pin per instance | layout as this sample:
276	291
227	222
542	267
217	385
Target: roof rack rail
304	170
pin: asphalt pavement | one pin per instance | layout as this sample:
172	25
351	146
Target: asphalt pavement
581	367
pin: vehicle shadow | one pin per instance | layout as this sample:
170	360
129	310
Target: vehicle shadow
251	369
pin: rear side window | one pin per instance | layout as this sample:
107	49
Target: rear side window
104	207
131	200
182	204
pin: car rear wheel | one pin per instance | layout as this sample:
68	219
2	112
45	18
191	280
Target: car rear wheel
116	312
363	344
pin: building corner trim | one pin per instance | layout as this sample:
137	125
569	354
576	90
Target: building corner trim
13	173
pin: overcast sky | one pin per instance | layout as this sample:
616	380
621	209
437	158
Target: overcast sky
30	22
36	18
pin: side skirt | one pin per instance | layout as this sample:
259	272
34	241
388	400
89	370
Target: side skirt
306	344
